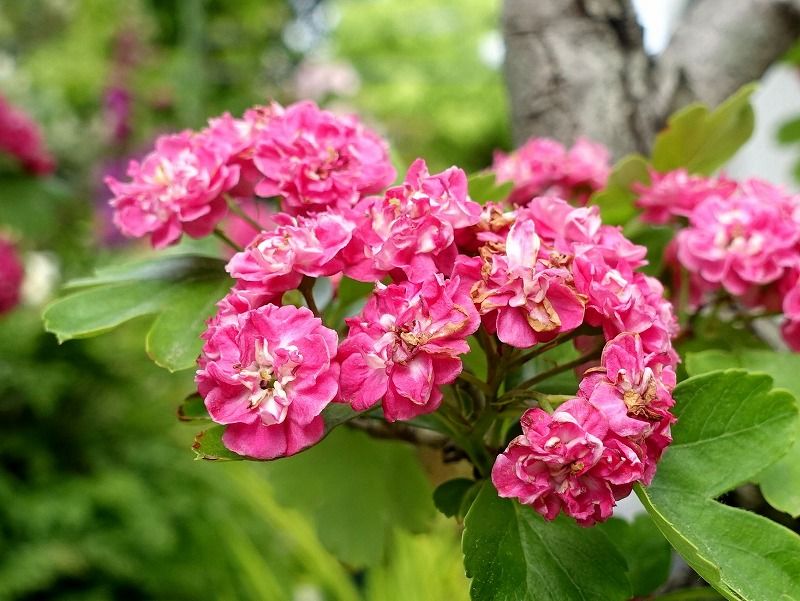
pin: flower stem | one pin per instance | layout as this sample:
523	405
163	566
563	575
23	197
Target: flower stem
546	375
306	288
224	237
543	348
237	210
474	380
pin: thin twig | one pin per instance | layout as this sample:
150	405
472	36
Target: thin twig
224	237
237	210
545	375
543	348
306	288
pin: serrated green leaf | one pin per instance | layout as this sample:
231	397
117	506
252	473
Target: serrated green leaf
512	554
702	140
483	188
180	290
780	482
616	199
208	445
731	425
356	490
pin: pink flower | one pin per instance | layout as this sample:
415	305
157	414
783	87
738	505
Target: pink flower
404	345
267	374
21	137
412	227
676	194
176	189
560	462
276	260
313	159
11	275
631	388
544	167
526	297
748	239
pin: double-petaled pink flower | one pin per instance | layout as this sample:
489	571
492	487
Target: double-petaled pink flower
412	228
276	260
676	194
405	345
312	159
544	167
178	188
525	294
21	137
745	240
267	374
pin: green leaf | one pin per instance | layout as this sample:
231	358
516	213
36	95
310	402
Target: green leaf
780	482
180	290
193	409
655	239
616	199
483	187
702	140
789	132
449	496
349	293
173	341
356	490
208	445
645	549
731	425
512	553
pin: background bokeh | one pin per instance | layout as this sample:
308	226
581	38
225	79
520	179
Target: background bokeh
99	495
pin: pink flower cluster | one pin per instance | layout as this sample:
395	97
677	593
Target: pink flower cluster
524	272
21	138
308	158
742	238
543	166
11	275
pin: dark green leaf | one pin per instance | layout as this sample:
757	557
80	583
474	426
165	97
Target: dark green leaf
449	496
512	554
644	548
356	490
193	409
731	425
349	293
702	140
789	132
617	198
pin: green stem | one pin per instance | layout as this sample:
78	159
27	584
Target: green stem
474	380
224	237
543	348
545	375
306	288
237	210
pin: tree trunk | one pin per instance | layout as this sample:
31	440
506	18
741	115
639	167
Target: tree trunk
578	67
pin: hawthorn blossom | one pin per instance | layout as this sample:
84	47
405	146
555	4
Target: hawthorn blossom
178	188
412	228
267	374
676	194
276	260
405	345
544	167
748	239
11	275
522	293
312	159
567	462
633	389
21	137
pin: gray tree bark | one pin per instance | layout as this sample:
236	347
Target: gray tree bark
578	67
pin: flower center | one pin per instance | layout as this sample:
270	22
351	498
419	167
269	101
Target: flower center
268	378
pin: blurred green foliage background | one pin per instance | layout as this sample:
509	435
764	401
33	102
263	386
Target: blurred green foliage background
99	496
